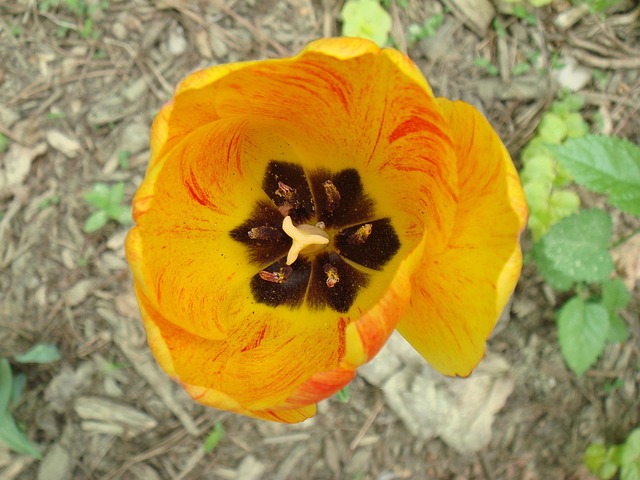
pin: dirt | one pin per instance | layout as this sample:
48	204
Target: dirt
75	94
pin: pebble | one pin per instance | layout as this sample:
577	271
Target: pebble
63	143
177	42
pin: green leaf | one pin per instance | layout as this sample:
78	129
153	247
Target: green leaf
630	471
98	196
540	167
631	448
344	395
96	221
576	126
552	128
572	103
214	438
19	382
6	383
40	353
552	276
608	165
10	433
615	297
577	246
582	333
116	194
595	456
366	19
562	203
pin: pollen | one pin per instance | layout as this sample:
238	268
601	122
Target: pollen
360	236
303	236
332	275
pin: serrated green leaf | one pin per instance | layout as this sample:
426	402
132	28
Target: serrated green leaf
630	471
607	471
214	438
552	128
595	456
582	333
631	448
366	19
535	147
551	275
540	168
562	203
608	165
576	126
570	104
537	193
577	246
96	221
618	330
40	353
616	297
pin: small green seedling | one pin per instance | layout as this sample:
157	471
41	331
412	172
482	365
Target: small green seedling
427	29
604	461
40	353
4	143
214	438
486	65
108	202
344	395
10	434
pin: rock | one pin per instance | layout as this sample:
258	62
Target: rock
17	163
63	143
573	76
476	14
135	138
251	469
459	410
177	44
79	292
56	465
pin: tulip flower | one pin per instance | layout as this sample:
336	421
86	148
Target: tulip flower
296	211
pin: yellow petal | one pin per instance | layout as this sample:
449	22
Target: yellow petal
459	293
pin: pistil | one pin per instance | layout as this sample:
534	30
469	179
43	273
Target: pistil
303	236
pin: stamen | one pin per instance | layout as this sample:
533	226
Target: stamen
333	196
303	236
360	236
288	193
332	275
281	276
264	232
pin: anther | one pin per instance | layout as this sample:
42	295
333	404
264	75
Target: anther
332	275
303	236
281	276
288	193
333	196
360	235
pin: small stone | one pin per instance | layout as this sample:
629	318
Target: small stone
135	138
251	469
177	43
573	76
119	31
56	465
63	143
79	292
135	89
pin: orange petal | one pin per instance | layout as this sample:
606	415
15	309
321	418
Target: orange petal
459	294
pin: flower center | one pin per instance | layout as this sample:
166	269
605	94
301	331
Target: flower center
315	240
302	236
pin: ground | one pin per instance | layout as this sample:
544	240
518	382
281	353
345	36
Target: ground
80	84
